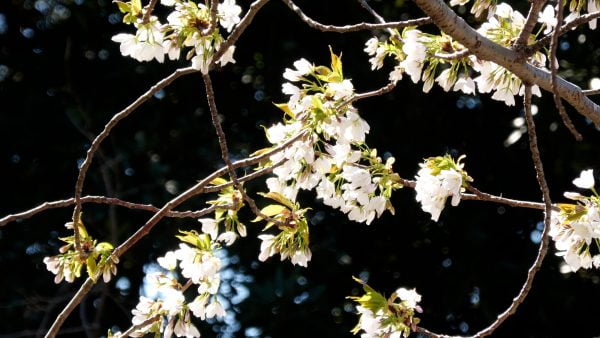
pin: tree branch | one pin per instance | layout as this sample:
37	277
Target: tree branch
371	11
147	227
591	92
210	95
107	129
238	30
554	68
355	27
541	178
448	21
214	6
532	17
563	29
148	11
94	200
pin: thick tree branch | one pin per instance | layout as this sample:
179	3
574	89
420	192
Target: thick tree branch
448	21
355	27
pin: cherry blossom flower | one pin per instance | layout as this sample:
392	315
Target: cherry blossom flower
585	179
229	14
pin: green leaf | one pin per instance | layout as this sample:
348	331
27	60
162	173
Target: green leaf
104	248
336	64
273	209
261	151
279	198
136	6
372	299
286	109
201	241
91	266
218	181
123	6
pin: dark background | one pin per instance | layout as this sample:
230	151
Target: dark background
61	79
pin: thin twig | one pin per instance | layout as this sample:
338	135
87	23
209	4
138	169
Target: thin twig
147	227
355	27
237	31
554	68
214	6
210	95
148	11
141	325
130	205
107	129
589	92
453	56
482	196
369	9
541	178
95	200
378	92
563	29
532	18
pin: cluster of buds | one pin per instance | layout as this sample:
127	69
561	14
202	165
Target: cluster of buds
232	201
292	240
96	257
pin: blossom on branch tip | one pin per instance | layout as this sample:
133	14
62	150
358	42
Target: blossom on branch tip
229	14
585	179
438	179
547	18
303	67
146	44
386	318
575	228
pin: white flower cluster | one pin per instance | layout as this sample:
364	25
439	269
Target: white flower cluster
185	28
387	318
328	160
575	229
97	257
333	158
201	266
417	54
438	179
577	6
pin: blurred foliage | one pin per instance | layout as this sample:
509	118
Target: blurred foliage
61	79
